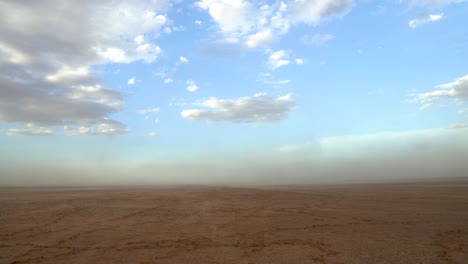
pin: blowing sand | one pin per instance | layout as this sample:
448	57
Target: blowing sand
387	223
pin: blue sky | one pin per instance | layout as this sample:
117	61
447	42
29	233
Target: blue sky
132	83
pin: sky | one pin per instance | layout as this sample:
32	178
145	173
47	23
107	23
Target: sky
232	92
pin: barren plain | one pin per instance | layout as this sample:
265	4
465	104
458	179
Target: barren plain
368	223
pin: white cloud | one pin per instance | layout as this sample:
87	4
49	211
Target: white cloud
152	134
198	22
113	54
140	49
276	83
256	24
95	93
268	79
317	39
191	86
46	58
456	90
232	16
147	111
30	131
299	61
57	104
77	131
278	59
423	19
164	76
314	12
140	39
261	38
183	59
173	28
107	27
67	74
108	128
14	55
255	109
131	81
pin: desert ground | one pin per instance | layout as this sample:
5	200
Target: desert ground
367	223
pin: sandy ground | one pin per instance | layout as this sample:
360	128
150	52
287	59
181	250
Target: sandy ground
392	223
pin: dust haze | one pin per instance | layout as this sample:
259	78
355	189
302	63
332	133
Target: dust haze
418	155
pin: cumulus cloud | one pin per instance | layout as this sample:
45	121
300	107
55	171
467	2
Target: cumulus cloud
317	39
131	81
45	59
68	75
299	61
256	24
278	59
254	109
259	39
191	86
183	59
231	16
456	90
423	19
48	104
95	93
313	12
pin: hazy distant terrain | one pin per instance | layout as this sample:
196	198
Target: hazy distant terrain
386	223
